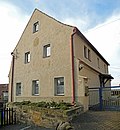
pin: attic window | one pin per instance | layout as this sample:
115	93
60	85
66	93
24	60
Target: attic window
46	51
85	52
35	27
27	57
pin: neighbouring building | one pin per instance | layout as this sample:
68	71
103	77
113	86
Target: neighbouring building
3	93
115	92
54	61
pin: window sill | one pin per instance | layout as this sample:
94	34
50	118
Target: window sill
35	31
59	95
46	56
35	95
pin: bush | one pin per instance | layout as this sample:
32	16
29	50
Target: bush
61	105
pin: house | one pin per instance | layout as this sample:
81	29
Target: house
115	92
3	93
54	61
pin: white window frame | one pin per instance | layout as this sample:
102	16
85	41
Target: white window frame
27	57
46	50
59	83
36	27
18	89
35	87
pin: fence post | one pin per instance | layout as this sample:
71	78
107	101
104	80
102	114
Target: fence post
15	117
100	99
12	115
2	117
7	115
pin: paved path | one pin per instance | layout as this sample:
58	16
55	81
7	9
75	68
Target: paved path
98	120
23	127
91	120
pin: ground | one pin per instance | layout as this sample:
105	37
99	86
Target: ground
91	120
98	120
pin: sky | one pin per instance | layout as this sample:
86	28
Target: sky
98	20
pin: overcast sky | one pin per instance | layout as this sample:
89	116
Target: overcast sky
98	20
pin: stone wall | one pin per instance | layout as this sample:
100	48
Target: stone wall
43	116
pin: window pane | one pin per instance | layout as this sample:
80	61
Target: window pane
35	87
46	51
89	55
18	89
27	57
35	27
59	86
85	51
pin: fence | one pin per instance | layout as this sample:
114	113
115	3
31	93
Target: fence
101	98
7	116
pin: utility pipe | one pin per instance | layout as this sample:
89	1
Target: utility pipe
72	58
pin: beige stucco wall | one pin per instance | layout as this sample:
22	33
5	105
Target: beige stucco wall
90	70
43	69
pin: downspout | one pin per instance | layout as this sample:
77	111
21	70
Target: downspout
12	76
72	58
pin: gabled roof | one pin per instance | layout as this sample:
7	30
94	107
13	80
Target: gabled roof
78	32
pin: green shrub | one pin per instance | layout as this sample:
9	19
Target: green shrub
61	105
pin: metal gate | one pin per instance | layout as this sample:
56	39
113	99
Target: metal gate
104	98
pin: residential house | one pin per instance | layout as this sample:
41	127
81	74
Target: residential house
3	93
55	62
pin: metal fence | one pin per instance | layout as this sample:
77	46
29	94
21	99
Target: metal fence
101	98
7	116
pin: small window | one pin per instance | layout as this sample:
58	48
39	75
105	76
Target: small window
46	51
105	69
98	62
35	87
89	55
85	51
35	27
27	57
18	89
5	96
59	86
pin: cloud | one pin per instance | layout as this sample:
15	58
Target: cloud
12	24
106	38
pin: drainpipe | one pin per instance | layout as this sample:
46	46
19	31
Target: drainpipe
72	58
12	76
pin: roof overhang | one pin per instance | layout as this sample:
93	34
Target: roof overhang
104	78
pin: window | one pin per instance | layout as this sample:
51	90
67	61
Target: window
85	51
35	87
105	68
35	27
46	51
5	95
59	86
89	55
98	62
18	89
27	57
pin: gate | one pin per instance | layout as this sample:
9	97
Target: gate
7	116
105	98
